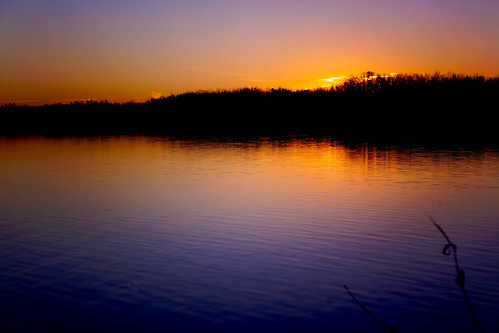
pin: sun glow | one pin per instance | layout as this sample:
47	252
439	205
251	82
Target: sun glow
334	79
155	94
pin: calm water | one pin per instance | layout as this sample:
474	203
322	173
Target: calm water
138	234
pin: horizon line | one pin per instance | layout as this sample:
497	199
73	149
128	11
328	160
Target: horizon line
334	82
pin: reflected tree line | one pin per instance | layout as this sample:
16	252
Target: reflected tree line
403	107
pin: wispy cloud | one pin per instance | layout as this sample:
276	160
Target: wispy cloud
248	78
257	80
23	101
242	76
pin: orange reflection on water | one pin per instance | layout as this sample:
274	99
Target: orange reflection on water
268	222
282	174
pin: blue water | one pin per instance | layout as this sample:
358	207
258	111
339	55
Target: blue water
140	234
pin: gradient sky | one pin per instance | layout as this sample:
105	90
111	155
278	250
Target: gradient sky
121	50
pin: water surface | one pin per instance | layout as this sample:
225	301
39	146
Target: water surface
144	234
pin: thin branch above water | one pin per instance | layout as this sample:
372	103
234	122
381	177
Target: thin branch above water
451	247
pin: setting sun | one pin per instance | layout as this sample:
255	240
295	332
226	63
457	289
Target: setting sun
334	80
155	94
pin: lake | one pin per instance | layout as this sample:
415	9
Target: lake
154	234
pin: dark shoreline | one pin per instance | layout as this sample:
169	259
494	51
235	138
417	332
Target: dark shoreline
453	109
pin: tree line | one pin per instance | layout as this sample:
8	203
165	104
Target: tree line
403	107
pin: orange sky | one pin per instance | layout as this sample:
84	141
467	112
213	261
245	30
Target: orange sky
60	51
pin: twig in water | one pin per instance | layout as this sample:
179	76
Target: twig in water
460	273
391	330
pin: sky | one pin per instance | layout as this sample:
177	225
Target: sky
55	51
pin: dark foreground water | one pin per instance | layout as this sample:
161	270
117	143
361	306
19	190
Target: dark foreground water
139	234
